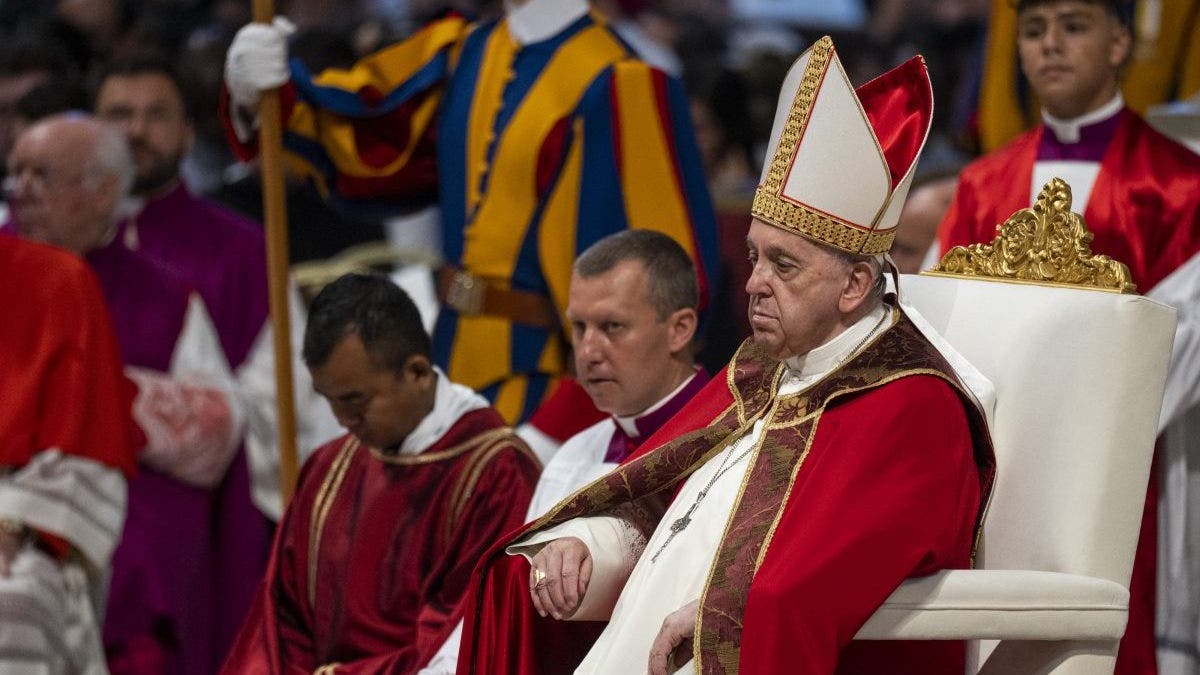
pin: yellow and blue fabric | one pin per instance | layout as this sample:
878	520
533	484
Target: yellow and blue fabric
538	151
1165	66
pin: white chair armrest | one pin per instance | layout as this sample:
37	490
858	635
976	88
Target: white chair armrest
1001	605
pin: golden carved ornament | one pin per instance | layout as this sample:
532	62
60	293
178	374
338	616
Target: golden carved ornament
1046	244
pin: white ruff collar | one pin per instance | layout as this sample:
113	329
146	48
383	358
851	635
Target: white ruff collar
538	20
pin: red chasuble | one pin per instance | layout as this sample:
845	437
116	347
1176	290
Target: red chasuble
1144	211
875	474
375	552
61	383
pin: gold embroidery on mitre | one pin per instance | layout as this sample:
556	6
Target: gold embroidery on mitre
1047	245
770	206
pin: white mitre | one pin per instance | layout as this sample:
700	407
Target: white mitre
841	162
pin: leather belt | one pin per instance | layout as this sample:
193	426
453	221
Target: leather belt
471	295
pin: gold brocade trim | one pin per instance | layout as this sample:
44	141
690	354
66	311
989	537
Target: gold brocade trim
731	377
320	510
476	465
797	120
797	416
787	494
449	453
1045	245
708	581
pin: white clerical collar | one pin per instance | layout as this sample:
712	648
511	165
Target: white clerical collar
828	356
629	424
537	20
1067	131
450	402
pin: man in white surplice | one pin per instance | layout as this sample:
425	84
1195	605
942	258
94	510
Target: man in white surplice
631	334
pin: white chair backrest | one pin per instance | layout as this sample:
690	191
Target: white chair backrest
1079	379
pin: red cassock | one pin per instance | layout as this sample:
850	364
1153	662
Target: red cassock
1144	211
374	554
1144	208
890	487
61	383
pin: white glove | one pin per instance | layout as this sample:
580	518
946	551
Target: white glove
191	431
257	61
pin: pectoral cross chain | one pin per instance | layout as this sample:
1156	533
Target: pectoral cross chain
683	521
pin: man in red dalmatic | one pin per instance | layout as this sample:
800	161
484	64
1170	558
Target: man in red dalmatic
838	454
1139	193
66	448
375	551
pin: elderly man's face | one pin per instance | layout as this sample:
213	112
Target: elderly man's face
625	353
53	197
149	110
796	291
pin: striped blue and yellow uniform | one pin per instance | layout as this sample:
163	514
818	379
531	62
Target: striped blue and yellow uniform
536	152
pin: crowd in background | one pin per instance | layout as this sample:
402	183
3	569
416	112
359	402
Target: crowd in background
731	55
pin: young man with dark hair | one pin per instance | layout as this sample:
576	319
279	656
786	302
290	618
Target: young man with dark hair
374	554
1139	193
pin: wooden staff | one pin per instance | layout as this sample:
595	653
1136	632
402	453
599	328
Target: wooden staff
270	152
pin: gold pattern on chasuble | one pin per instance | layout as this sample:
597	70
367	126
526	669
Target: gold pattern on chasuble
485	447
320	510
791	425
1046	245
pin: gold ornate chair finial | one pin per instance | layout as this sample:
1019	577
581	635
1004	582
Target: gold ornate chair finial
1046	244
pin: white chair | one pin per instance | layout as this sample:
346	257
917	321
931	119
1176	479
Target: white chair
1079	376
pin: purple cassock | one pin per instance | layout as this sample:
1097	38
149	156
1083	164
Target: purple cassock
161	602
223	256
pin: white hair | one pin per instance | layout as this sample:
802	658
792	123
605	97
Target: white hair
111	157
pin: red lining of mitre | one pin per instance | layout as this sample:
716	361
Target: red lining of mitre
899	106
